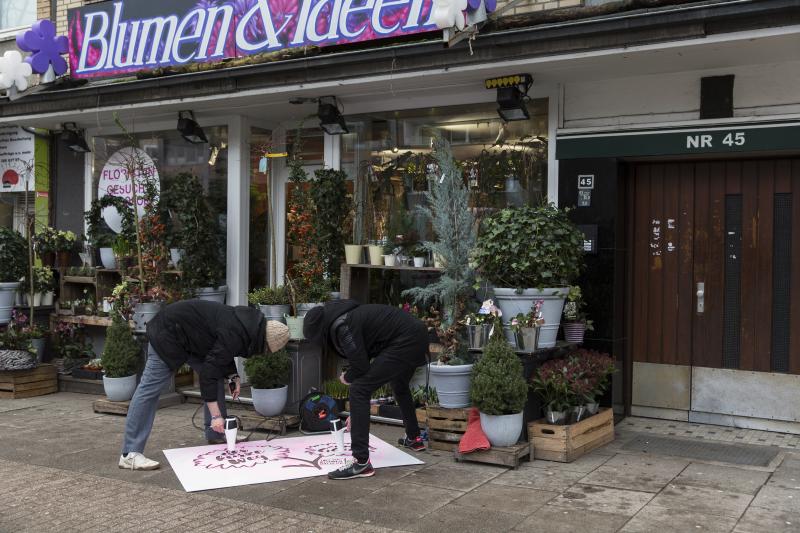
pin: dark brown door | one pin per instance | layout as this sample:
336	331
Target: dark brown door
716	263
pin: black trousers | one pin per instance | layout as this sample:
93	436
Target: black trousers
386	368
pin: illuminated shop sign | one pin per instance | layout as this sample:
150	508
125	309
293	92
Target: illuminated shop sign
116	38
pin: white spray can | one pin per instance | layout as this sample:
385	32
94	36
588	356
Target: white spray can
231	429
337	432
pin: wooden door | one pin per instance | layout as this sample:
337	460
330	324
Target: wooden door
729	226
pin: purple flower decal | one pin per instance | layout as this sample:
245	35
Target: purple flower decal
45	47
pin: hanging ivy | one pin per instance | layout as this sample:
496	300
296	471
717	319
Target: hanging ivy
99	232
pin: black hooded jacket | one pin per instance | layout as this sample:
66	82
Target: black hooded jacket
211	332
367	331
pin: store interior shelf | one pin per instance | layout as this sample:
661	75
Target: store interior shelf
85	320
87	280
401	267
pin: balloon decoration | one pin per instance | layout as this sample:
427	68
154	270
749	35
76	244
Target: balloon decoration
459	13
14	71
45	47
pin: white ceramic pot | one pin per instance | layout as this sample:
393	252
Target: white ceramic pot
419	262
389	260
353	253
452	384
144	313
108	258
8	295
120	389
375	255
275	312
211	294
502	430
47	299
175	256
37	299
270	402
512	303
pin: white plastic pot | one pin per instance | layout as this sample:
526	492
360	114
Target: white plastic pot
502	430
270	402
419	262
389	260
37	299
211	294
47	299
8	295
120	389
452	384
108	258
512	303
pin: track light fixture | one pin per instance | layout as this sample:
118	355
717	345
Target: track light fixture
74	138
512	92
190	129
330	117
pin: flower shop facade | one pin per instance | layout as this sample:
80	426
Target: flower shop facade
394	97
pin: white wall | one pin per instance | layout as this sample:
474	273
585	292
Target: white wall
762	90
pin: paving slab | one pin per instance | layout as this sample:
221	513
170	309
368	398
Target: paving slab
603	499
457	477
703	500
555	519
643	473
760	520
778	499
547	479
785	478
584	464
724	478
453	517
656	518
506	498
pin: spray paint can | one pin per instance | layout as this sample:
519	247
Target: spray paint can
337	432
231	429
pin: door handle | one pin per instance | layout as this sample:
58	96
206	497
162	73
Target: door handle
701	297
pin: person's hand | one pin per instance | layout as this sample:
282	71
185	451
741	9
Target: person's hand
342	380
218	425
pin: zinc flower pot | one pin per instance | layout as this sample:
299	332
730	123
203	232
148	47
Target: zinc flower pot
353	253
38	345
8	295
275	312
452	384
502	430
144	313
478	335
270	402
527	339
511	303
108	258
304	308
212	294
119	389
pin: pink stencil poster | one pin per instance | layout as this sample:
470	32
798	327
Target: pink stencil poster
213	467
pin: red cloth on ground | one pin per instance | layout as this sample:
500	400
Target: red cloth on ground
474	438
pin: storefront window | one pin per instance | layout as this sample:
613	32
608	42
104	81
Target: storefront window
262	154
16	13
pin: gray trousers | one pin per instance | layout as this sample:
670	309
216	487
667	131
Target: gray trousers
143	406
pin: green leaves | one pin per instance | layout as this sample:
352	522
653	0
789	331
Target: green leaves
13	256
331	210
269	371
121	353
498	386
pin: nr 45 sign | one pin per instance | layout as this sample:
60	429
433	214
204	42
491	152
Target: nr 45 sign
710	140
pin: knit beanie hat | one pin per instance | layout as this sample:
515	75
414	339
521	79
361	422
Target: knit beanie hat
277	335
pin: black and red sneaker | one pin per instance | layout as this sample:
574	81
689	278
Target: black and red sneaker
353	469
417	444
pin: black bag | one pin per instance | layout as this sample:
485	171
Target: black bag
316	412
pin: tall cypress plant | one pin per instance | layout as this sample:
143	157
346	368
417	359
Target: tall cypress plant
331	209
453	223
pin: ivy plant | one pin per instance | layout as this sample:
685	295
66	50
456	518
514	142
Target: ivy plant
100	234
331	210
13	256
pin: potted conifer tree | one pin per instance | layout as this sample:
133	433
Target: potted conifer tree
499	392
269	377
13	267
121	358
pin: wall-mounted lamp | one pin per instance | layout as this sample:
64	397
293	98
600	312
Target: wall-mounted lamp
190	129
74	138
512	92
330	118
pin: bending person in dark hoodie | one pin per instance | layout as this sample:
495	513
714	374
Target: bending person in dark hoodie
382	344
207	336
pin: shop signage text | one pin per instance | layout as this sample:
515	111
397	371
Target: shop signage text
122	37
773	137
16	159
114	181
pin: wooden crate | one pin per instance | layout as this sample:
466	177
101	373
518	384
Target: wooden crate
506	456
29	383
567	443
106	406
446	427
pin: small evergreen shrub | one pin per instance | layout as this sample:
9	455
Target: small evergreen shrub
498	387
121	354
269	371
269	296
13	256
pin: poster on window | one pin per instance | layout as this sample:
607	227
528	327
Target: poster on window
115	180
16	159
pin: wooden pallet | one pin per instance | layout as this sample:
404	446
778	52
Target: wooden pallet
446	427
510	456
106	406
567	443
38	381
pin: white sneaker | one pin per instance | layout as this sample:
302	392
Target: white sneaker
137	461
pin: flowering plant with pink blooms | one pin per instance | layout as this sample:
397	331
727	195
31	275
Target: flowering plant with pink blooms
534	318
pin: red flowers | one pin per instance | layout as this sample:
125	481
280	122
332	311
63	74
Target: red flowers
574	380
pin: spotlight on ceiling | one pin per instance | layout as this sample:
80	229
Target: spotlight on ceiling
74	139
190	129
512	92
330	118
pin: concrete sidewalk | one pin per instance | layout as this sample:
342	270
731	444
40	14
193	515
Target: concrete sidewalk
58	462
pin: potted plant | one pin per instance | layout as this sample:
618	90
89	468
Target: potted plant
29	331
101	235
91	370
66	243
499	392
529	254
43	286
269	375
121	248
71	346
526	328
331	210
338	391
389	255
121	359
375	250
13	267
420	254
479	325
44	244
18	336
273	302
551	383
575	322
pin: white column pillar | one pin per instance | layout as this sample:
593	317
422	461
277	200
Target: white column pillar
238	210
333	152
553	123
278	197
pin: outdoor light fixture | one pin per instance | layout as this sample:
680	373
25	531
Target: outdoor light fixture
330	118
512	92
74	139
190	129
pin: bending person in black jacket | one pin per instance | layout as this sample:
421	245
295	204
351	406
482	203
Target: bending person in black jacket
382	344
207	336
